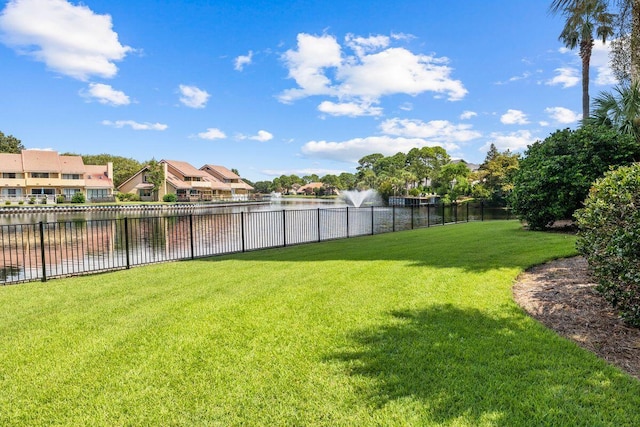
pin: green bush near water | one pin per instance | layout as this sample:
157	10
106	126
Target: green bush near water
414	328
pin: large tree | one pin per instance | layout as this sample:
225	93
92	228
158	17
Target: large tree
10	144
626	45
495	174
584	19
555	175
155	176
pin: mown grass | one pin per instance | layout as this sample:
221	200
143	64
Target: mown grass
410	328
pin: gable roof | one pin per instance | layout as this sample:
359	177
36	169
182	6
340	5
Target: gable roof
71	164
184	168
40	161
11	162
222	171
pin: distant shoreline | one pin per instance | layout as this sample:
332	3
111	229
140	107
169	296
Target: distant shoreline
121	207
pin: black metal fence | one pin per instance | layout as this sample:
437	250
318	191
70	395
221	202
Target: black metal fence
41	251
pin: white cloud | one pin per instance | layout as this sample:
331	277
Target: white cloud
212	133
466	115
437	131
514	117
243	60
563	115
566	76
71	40
544	123
262	136
514	141
135	125
105	94
320	67
354	149
306	66
601	62
193	97
399	135
406	106
350	109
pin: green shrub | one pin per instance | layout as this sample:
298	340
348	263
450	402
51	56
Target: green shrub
21	202
7	202
128	197
170	198
78	198
32	200
555	175
60	199
609	237
43	201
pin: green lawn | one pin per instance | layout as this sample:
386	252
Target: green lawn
414	328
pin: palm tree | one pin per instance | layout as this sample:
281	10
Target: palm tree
620	110
584	19
626	47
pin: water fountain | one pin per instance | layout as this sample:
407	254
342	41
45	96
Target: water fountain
357	198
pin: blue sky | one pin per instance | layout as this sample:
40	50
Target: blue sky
286	87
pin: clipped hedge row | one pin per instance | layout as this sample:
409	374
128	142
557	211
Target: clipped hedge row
609	237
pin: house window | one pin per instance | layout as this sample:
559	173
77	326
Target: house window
43	191
98	193
39	175
71	176
145	193
9	175
69	192
11	192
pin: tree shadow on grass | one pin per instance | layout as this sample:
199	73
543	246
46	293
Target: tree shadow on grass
461	364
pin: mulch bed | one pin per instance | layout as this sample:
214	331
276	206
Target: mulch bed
561	294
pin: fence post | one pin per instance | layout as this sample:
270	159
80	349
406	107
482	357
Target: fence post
126	241
481	210
393	218
319	229
412	206
42	252
467	211
428	214
347	222
443	214
455	212
242	230
373	224
193	255
284	227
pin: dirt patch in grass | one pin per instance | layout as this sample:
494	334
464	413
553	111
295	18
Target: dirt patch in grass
561	294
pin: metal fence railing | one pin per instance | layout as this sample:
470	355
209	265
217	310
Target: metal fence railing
45	250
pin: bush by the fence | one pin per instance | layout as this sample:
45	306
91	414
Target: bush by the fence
609	237
170	198
78	198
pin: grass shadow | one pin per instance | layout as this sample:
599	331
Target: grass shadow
462	366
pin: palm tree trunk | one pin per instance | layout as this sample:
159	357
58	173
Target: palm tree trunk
635	41
586	47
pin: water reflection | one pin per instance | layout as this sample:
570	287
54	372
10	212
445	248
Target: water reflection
100	241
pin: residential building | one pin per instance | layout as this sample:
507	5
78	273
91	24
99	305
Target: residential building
182	179
240	190
44	174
